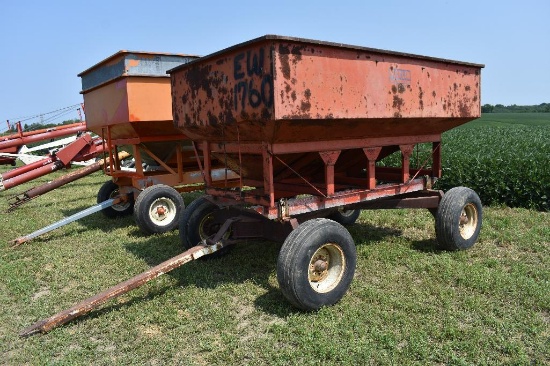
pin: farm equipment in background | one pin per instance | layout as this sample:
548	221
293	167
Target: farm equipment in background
11	145
22	198
304	123
68	145
128	103
84	148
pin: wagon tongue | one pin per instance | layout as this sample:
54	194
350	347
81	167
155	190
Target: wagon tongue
93	302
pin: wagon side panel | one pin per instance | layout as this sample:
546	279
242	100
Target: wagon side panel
212	96
386	95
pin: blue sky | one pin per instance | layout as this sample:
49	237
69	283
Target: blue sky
44	45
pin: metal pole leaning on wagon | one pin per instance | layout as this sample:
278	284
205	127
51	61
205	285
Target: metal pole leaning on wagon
77	216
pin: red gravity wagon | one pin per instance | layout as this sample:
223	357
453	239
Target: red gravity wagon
304	123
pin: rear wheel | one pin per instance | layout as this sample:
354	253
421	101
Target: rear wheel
110	190
316	264
458	219
157	209
345	217
197	223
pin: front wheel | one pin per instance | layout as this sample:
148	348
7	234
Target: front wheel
157	209
458	219
316	264
110	190
197	223
345	217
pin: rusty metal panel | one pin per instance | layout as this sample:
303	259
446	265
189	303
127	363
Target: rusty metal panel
236	86
324	82
280	89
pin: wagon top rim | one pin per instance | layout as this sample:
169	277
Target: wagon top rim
272	37
130	52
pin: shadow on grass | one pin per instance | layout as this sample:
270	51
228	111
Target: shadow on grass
427	246
98	220
249	260
365	234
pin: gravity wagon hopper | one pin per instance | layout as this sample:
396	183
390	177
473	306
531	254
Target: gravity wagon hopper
302	124
128	103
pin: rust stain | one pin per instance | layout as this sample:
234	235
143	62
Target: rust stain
397	104
133	63
464	108
306	104
285	63
134	118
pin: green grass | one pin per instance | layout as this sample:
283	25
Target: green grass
408	304
507	119
504	157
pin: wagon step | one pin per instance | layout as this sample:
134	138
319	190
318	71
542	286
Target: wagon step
44	326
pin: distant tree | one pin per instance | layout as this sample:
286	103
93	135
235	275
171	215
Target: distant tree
38	126
487	108
70	121
514	108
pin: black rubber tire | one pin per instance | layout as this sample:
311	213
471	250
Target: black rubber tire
149	201
194	226
315	239
109	190
458	203
346	217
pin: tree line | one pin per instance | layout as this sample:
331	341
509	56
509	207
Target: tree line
499	108
38	126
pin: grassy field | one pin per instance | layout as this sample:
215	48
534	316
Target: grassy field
409	303
502	156
506	119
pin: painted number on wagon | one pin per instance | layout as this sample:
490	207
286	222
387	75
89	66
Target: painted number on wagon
252	87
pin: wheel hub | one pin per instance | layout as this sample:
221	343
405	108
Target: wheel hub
318	269
124	202
468	221
162	211
326	267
